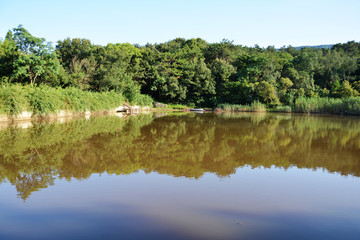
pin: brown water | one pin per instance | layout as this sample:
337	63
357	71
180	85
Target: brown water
182	176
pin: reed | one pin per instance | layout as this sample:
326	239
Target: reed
349	106
345	106
253	107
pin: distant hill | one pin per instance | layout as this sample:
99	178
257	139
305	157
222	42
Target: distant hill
327	46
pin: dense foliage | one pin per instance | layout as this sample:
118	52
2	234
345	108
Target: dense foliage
191	71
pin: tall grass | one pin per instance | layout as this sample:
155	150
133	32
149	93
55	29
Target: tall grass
346	106
253	107
142	100
349	105
44	100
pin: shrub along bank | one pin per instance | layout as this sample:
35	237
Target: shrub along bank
44	100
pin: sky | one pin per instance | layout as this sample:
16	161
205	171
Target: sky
246	22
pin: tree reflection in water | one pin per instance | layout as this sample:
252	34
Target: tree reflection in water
186	145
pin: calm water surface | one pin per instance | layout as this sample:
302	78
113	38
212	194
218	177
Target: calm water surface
182	176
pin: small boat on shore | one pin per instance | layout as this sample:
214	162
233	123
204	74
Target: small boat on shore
196	110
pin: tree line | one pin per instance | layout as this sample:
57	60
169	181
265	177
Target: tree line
184	71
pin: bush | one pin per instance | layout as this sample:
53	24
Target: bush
75	100
45	100
13	100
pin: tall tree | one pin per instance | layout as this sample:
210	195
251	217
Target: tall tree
35	56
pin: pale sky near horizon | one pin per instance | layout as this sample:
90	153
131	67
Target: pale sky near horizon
247	22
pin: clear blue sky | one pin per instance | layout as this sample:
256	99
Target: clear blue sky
246	22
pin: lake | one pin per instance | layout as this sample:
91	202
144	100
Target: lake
181	176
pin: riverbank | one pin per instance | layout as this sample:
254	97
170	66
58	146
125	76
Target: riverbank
27	102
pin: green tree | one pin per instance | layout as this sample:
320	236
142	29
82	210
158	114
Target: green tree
69	49
8	55
222	72
267	93
35	56
347	91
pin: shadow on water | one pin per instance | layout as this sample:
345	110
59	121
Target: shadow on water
187	145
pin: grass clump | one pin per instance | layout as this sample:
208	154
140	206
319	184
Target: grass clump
257	107
253	107
346	106
142	100
349	105
179	106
